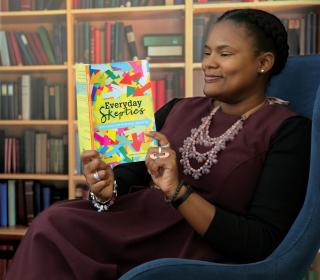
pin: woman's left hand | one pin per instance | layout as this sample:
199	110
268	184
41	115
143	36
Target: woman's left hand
162	165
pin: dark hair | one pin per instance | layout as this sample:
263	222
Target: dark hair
267	30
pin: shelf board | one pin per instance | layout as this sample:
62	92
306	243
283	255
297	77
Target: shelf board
264	5
79	178
196	66
34	122
22	176
129	12
33	68
17	231
31	16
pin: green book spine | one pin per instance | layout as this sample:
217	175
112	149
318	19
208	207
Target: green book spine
86	28
45	40
11	203
163	40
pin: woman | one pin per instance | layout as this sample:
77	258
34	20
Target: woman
232	167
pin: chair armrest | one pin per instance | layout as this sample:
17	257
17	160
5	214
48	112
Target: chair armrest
173	269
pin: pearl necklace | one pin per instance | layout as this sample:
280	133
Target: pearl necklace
200	136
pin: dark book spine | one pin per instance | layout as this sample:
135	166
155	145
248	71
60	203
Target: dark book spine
131	42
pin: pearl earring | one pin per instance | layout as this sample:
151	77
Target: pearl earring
262	70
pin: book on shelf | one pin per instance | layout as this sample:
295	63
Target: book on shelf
29	5
35	47
88	4
115	108
164	45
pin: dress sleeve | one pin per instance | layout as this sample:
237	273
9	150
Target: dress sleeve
279	197
135	174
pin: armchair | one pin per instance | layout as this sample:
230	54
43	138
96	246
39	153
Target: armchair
298	83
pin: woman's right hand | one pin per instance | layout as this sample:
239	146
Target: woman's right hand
103	188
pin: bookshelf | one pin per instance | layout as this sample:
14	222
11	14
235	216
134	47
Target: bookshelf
146	19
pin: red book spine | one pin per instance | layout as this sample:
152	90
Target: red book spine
34	49
92	49
5	5
161	93
16	50
97	42
26	5
14	155
154	94
9	155
76	4
36	39
107	35
12	55
6	142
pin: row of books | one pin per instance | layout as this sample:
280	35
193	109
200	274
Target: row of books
229	1
303	34
34	48
21	200
32	98
87	4
28	5
104	44
34	152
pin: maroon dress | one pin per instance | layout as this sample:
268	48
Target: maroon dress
71	240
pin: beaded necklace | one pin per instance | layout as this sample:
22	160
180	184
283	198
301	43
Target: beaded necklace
200	136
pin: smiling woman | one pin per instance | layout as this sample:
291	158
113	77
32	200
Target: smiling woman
229	175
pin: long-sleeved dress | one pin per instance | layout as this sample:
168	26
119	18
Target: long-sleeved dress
257	186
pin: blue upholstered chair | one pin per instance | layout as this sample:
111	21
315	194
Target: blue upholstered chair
298	83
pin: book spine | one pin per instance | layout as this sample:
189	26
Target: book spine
92	44
45	40
15	46
131	42
26	96
34	49
13	60
28	192
26	5
108	27
28	49
161	93
3	204
4	51
26	58
97	40
87	41
43	55
11	203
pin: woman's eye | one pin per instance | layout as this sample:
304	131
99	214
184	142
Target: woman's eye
226	54
206	53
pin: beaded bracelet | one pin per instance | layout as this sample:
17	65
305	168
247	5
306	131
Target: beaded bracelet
102	205
176	203
178	189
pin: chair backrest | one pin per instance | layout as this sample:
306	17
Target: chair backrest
299	83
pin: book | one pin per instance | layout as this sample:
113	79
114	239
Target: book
115	108
3	204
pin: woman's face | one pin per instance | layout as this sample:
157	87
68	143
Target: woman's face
230	63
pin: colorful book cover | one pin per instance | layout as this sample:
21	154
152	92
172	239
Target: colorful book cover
115	108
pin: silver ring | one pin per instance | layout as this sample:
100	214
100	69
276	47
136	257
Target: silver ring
96	176
166	145
159	150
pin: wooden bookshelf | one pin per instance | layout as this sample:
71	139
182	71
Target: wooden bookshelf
181	13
